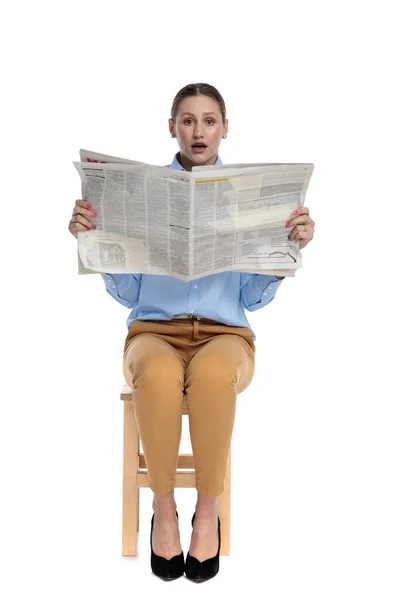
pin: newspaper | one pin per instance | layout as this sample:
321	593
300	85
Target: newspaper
156	220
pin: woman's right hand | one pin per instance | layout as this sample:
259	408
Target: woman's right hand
79	221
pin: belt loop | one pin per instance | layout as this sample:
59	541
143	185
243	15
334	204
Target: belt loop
195	329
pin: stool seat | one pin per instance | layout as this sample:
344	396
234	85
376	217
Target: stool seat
126	389
135	476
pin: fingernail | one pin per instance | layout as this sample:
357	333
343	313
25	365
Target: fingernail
287	225
93	226
90	205
94	214
295	212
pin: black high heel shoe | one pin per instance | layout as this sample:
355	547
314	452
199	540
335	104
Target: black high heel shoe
167	569
197	570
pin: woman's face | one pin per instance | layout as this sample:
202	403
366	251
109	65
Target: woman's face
198	129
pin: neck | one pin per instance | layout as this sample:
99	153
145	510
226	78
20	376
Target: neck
188	164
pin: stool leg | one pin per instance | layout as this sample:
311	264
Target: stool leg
138	488
224	503
130	506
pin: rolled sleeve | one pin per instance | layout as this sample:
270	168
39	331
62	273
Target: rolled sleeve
258	290
124	288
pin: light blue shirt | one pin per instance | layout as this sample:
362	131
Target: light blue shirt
222	297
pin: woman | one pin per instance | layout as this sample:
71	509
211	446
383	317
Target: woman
195	341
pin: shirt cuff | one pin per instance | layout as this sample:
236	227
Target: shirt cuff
263	290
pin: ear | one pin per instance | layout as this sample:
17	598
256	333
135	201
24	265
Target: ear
226	127
171	127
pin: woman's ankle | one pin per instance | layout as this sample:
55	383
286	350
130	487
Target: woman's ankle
206	506
164	503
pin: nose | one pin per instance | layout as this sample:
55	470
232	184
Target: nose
198	134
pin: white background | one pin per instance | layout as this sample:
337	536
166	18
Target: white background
315	488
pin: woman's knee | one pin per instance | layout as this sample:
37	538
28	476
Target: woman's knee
215	370
215	362
157	365
158	368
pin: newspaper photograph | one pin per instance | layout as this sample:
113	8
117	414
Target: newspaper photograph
190	224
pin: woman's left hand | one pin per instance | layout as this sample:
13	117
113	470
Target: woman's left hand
303	226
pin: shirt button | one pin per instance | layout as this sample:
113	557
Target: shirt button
195	286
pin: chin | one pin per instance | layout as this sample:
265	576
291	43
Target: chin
199	159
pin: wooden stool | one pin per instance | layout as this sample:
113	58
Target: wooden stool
135	476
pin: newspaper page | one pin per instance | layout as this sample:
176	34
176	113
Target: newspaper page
97	157
246	210
158	220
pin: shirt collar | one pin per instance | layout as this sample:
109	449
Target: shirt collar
177	165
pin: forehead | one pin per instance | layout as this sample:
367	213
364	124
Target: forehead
198	105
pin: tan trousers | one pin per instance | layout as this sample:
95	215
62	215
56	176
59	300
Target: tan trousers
209	363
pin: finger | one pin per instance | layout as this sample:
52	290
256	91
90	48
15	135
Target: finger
301	235
80	219
75	227
302	210
301	220
295	230
84	203
78	210
80	227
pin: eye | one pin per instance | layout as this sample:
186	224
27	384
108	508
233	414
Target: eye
210	121
186	121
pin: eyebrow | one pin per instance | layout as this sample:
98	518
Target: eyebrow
192	115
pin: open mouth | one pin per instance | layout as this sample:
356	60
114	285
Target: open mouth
199	147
